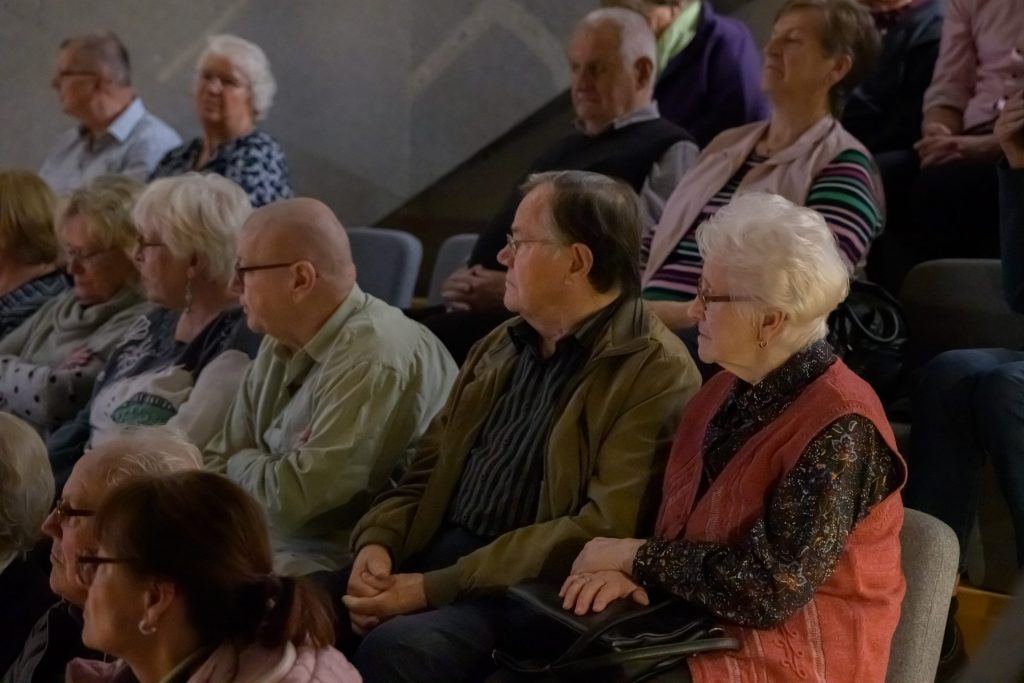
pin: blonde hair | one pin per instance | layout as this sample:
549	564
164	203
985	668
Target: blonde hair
250	59
782	256
107	202
26	218
196	214
26	486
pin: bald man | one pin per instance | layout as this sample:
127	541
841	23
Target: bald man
342	385
115	133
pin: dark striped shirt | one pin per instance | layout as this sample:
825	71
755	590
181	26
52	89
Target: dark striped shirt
500	487
20	304
842	193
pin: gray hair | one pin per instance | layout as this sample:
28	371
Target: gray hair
248	58
196	214
782	256
105	51
154	451
107	202
636	40
26	486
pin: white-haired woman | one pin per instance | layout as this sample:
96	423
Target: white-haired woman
781	509
49	363
182	363
26	493
234	90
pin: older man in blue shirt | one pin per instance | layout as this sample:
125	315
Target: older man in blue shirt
115	133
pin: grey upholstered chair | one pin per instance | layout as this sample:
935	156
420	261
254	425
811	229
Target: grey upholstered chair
387	263
453	254
930	554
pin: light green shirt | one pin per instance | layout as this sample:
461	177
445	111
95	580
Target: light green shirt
678	35
314	435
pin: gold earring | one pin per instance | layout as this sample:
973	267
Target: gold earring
762	343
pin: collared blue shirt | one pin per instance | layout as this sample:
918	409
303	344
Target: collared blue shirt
133	144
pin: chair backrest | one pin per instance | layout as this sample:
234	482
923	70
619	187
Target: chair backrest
387	263
453	254
930	554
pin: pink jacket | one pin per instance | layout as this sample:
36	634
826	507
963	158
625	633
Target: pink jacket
229	665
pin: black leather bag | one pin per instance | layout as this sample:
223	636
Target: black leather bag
625	642
868	331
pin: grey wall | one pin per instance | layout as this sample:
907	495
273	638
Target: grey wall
376	99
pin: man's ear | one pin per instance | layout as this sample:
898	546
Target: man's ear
303	279
581	261
644	68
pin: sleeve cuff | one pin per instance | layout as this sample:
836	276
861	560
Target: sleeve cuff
442	586
376	536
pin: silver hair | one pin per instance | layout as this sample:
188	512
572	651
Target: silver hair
636	40
196	214
250	59
26	486
782	256
153	451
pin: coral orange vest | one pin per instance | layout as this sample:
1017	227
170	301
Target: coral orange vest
843	634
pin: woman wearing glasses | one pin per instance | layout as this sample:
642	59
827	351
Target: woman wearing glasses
49	363
234	90
182	363
780	506
26	491
182	589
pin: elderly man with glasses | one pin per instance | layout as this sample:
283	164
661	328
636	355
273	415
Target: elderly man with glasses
556	432
115	133
342	385
56	638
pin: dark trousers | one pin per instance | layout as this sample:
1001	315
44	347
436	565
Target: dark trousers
452	643
969	404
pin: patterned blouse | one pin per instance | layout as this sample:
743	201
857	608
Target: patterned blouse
20	304
254	161
794	547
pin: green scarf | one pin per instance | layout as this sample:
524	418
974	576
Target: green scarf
678	35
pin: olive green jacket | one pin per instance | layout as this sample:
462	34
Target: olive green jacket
602	470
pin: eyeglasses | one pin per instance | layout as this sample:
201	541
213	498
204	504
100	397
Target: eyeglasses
225	80
86	566
77	256
65	511
241	270
514	244
69	73
141	243
705	298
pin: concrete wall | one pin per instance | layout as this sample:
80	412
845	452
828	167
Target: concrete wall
376	100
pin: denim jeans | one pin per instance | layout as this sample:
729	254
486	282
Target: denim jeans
969	405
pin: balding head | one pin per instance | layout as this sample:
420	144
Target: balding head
101	51
311	269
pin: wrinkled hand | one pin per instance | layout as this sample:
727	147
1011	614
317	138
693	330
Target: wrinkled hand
936	150
476	289
371	576
1009	130
78	358
406	594
602	554
592	592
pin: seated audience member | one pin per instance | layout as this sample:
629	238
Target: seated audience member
56	638
708	66
556	431
26	493
817	53
182	363
29	274
955	197
967	406
115	133
342	385
780	510
182	588
234	90
619	133
49	363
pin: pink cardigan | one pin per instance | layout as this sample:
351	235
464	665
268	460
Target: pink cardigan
229	665
789	172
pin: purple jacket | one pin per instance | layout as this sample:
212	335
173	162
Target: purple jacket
715	82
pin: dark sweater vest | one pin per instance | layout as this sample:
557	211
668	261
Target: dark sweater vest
626	153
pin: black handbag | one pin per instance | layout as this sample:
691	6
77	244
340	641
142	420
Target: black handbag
868	331
625	642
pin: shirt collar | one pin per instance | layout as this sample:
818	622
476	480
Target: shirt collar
523	334
121	127
648	112
319	347
785	382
